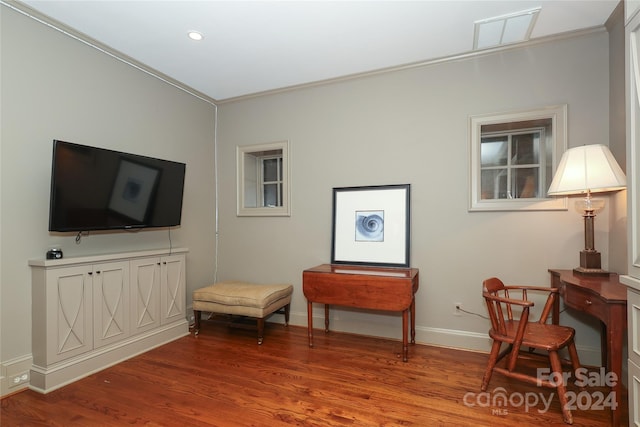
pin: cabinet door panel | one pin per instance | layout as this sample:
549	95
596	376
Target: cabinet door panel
110	302
69	312
145	294
173	279
634	394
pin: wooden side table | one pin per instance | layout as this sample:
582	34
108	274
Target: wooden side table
604	298
375	288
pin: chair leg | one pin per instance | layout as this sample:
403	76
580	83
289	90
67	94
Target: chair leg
573	356
556	368
493	359
260	330
196	326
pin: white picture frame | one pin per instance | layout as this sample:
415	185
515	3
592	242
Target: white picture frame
371	225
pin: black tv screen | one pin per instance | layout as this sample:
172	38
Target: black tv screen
98	189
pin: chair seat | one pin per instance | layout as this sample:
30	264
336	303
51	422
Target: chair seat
538	335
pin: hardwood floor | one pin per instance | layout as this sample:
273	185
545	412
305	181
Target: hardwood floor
223	378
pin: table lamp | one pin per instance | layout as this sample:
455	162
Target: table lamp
585	170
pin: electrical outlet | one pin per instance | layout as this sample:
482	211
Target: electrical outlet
457	309
19	379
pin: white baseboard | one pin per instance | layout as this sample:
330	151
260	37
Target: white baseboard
464	340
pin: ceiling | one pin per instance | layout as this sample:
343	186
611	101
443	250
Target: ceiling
252	47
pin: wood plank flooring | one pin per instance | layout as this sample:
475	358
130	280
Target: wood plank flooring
223	378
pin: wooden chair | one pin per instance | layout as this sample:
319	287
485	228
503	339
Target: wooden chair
534	335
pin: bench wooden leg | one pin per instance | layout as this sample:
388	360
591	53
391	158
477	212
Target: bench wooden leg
196	326
260	330
287	309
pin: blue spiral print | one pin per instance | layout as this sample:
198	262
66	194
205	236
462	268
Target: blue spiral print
370	226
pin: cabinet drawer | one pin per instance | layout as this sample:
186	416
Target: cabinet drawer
584	301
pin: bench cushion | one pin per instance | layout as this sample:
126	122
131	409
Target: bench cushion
241	298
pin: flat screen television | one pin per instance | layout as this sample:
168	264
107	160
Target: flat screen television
98	189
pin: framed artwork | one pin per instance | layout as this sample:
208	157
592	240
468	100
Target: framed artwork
371	225
133	190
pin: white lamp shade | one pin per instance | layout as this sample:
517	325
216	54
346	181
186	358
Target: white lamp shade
587	168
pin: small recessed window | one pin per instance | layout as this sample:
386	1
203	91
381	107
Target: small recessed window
263	179
513	157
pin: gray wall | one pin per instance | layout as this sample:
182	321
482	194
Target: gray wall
56	87
411	126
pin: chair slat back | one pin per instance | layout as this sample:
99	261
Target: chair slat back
494	286
548	306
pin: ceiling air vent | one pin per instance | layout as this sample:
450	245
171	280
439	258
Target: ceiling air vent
506	29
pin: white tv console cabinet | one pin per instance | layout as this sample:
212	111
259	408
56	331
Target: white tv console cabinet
92	312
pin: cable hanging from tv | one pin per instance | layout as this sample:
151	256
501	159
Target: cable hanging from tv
79	237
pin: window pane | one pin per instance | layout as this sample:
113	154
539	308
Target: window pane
493	151
513	157
258	165
525	183
271	195
494	184
270	172
526	148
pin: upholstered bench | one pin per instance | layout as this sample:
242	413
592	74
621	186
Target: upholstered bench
243	299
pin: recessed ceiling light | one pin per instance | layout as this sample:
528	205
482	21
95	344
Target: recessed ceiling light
194	35
505	29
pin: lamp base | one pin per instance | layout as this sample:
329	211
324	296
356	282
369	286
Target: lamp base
590	258
590	271
590	264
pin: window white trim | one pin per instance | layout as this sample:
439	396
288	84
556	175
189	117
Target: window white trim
247	178
558	116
